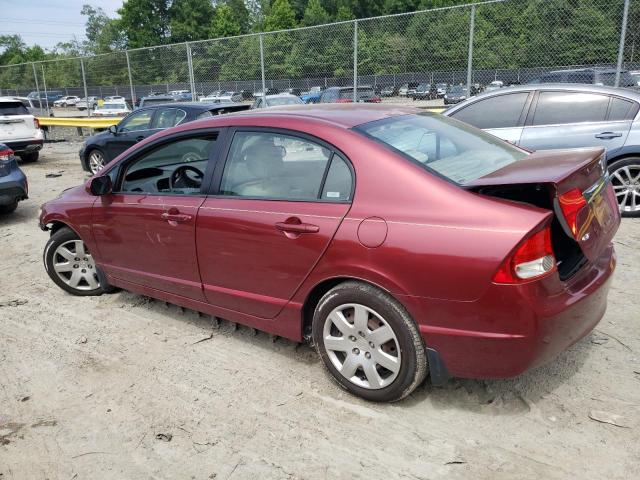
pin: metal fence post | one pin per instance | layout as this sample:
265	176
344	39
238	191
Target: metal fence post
44	84
355	61
192	81
264	87
84	83
35	76
472	25
133	93
623	34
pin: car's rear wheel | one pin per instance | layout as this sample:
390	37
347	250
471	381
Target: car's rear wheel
96	161
625	179
368	342
70	264
30	157
6	209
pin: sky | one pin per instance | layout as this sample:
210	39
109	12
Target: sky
47	22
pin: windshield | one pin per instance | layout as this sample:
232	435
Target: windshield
451	148
273	102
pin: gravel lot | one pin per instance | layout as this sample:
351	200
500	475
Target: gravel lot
119	387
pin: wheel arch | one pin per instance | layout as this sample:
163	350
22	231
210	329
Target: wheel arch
622	156
320	289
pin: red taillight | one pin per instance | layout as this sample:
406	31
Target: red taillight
6	154
36	123
344	100
375	100
571	203
533	259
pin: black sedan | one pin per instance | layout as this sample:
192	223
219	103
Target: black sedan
100	149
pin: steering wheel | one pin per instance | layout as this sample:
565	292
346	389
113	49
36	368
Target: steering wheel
181	179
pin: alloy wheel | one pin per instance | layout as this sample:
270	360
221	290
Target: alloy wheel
96	161
362	346
626	185
74	265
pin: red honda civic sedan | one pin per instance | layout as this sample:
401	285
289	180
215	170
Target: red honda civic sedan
398	242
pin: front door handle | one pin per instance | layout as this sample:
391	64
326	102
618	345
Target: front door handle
139	138
295	226
608	135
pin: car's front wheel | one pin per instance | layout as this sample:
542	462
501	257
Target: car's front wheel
368	342
96	161
70	264
625	180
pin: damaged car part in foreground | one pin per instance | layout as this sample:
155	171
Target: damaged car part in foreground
399	243
13	182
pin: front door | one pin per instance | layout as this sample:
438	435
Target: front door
145	230
132	129
280	201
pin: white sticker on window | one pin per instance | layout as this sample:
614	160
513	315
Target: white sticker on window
333	194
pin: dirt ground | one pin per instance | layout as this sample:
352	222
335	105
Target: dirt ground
119	387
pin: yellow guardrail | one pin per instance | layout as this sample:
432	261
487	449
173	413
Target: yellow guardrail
87	122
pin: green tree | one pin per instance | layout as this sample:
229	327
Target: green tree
315	14
190	20
145	22
281	16
240	14
225	23
103	33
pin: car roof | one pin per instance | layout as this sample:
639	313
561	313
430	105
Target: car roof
194	105
574	87
9	99
284	94
340	115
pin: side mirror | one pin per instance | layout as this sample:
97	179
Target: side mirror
113	129
101	185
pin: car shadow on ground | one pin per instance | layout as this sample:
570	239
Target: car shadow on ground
509	396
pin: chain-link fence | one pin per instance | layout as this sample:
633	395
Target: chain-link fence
513	41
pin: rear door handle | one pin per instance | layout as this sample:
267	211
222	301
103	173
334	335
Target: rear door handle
175	217
140	138
608	135
297	227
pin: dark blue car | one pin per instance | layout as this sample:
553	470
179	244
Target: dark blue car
13	182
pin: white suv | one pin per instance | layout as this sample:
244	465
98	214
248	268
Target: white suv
19	130
67	101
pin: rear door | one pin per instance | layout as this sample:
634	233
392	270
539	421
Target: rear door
561	119
501	115
281	198
16	123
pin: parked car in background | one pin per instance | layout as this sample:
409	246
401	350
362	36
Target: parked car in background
156	100
388	91
100	149
456	94
495	85
345	95
112	108
593	76
208	98
277	100
551	116
313	95
406	88
19	129
441	89
293	91
470	263
424	91
66	101
13	182
89	102
181	95
47	97
115	98
35	107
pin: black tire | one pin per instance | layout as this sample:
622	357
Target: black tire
619	172
7	209
413	362
59	238
30	157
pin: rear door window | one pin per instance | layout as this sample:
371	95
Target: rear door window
169	117
501	111
13	108
555	108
